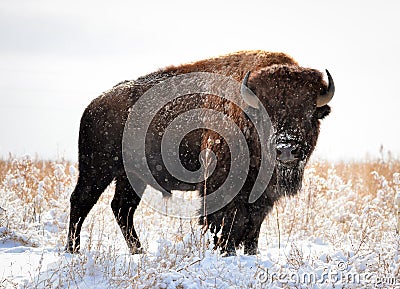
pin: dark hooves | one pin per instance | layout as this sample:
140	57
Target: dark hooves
135	251
228	253
72	247
71	250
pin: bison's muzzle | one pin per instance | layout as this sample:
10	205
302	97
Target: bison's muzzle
288	153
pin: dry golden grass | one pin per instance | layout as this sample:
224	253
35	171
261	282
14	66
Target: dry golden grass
359	173
340	203
4	167
40	182
347	207
24	176
354	172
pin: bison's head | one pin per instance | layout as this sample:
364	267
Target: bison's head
296	99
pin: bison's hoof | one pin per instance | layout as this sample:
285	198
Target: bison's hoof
251	251
72	247
229	253
71	250
136	251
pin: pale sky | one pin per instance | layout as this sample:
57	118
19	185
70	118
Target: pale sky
56	56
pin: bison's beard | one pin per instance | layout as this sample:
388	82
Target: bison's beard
289	178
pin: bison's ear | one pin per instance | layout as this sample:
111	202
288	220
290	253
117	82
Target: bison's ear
322	111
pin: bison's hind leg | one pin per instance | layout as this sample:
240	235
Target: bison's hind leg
91	184
124	205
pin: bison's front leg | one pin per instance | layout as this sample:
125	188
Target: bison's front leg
229	230
225	242
250	241
228	249
256	215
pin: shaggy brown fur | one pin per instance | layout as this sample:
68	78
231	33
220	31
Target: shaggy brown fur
235	64
287	91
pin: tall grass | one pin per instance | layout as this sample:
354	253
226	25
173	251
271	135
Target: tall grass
348	205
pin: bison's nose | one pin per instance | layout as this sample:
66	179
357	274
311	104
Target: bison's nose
287	152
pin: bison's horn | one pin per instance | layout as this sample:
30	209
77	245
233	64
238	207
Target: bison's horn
324	99
248	96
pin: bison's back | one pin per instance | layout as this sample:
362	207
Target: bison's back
235	65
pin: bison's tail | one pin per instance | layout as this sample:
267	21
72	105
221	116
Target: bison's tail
85	142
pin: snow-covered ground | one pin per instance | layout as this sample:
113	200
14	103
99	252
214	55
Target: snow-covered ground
339	232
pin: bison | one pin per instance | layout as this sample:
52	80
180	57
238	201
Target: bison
295	99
